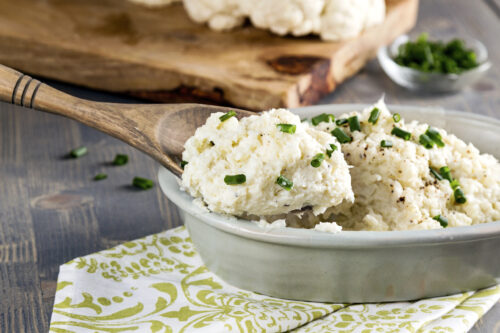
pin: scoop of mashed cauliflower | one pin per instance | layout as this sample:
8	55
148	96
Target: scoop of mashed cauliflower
267	164
394	187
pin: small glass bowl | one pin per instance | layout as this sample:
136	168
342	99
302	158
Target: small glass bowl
432	82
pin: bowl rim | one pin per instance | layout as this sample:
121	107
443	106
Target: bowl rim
169	184
384	53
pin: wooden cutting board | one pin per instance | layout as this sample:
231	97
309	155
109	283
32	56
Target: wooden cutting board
161	55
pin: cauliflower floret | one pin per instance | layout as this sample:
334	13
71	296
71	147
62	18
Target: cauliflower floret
219	14
298	17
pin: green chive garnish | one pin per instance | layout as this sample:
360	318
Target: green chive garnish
282	181
226	116
317	159
354	123
435	136
426	141
442	220
341	121
329	152
374	116
459	196
322	118
396	117
445	173
142	183
386	144
341	136
287	128
235	179
435	173
100	176
78	152
120	159
183	164
303	120
401	133
454	184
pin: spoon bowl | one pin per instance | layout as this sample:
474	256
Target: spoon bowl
159	130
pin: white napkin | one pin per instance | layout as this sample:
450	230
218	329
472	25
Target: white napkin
159	284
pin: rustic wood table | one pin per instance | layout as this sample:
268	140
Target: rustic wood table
51	210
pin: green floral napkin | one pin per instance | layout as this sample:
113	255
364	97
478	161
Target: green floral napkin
159	284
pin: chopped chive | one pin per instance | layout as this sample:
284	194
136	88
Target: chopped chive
341	121
426	141
386	144
329	152
235	179
78	152
445	173
183	164
226	116
282	181
142	183
435	173
317	159
454	184
459	196
374	116
100	176
354	123
435	136
341	136
396	117
287	128
303	120
401	133
442	220
322	118
120	159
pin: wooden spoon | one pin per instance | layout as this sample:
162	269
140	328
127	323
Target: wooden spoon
159	130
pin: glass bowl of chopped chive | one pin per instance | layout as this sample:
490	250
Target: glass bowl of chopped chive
432	65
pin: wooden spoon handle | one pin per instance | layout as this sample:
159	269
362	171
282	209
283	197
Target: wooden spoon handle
126	122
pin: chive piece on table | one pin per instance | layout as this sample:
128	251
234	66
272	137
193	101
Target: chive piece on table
426	141
401	133
226	116
459	196
374	116
442	220
396	117
287	128
282	181
386	143
183	164
235	179
120	159
317	159
329	152
322	118
445	173
435	173
435	136
354	123
341	121
142	183
78	152
341	136
100	176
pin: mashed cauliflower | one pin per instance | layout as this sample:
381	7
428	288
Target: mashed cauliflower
394	188
257	148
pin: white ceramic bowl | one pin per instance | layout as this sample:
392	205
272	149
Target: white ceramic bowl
352	266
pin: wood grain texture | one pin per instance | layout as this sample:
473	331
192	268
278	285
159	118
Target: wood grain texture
162	55
51	211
